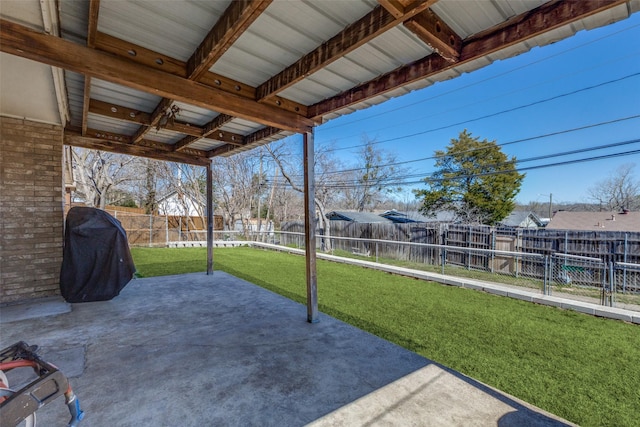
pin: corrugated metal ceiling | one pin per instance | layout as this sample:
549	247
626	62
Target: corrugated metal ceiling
281	35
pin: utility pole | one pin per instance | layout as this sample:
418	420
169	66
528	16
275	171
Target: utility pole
550	203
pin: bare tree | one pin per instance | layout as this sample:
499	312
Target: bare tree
621	190
184	186
150	190
234	189
325	167
101	177
375	176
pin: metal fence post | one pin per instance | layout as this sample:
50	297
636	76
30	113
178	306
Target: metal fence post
608	301
493	248
624	272
544	275
550	275
469	251
376	251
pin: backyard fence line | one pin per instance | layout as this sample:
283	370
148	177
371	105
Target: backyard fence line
609	246
612	278
575	277
160	230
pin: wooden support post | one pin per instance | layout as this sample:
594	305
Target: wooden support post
310	227
210	218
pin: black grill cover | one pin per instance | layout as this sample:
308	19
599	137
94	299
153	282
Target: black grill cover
96	262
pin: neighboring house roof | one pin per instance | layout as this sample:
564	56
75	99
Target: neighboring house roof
415	216
398	217
354	216
522	219
391	216
595	221
442	216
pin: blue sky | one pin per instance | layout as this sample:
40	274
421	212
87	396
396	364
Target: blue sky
586	80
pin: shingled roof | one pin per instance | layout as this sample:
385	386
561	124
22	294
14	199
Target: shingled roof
354	216
595	221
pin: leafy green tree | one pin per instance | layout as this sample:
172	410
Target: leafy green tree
474	179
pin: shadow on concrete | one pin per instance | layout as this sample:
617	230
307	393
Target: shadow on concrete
197	350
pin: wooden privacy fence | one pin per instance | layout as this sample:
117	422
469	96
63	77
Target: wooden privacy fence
591	265
155	230
608	246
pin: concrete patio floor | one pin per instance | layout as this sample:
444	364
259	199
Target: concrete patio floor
197	350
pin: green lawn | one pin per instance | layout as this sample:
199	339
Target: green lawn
582	368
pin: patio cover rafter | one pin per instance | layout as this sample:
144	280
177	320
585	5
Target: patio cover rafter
373	24
234	21
27	43
528	25
545	18
210	130
92	30
167	64
111	142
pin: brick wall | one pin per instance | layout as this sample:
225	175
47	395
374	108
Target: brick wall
31	217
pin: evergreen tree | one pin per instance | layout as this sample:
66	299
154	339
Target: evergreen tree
474	179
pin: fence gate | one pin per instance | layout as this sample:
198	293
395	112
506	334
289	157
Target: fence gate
580	276
503	263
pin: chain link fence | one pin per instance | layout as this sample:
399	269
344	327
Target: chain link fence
579	277
161	230
591	279
587	279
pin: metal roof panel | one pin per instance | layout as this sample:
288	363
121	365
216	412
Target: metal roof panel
173	28
107	124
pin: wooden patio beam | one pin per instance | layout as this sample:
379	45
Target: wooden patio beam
234	21
21	41
373	24
547	17
397	8
250	139
106	141
543	19
119	112
212	131
167	64
437	34
92	29
154	119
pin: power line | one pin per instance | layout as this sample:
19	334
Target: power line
548	165
402	180
486	116
484	100
484	80
531	138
